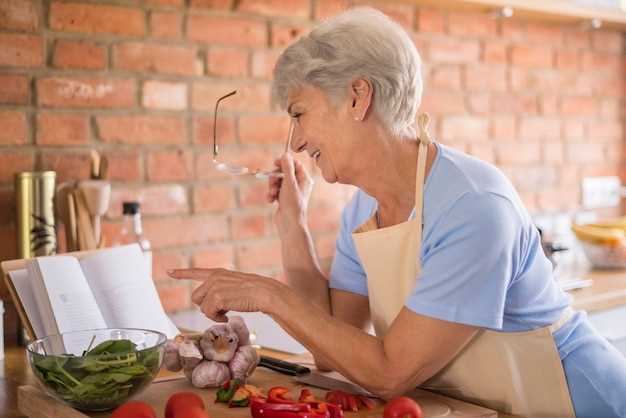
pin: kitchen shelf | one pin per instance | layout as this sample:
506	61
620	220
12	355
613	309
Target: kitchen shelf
547	10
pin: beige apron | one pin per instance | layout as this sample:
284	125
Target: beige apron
513	372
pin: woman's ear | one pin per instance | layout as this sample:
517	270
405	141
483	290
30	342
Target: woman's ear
361	92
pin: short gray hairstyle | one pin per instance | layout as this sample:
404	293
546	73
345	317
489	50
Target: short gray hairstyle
360	42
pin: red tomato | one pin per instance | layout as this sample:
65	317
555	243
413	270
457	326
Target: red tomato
191	412
402	407
134	409
182	401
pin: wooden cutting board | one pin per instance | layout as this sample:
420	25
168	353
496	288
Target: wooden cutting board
34	403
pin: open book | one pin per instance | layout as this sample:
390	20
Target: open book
109	288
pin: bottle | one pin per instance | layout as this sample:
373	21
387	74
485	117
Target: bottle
132	232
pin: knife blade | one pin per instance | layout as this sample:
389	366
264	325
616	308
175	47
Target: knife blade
282	366
327	382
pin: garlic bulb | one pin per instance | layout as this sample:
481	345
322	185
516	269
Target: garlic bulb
210	374
171	359
244	362
189	353
219	343
239	326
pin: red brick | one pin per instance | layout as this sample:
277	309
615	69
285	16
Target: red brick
577	38
599	61
583	153
573	129
69	166
472	25
263	62
90	92
567	60
14	162
140	129
175	297
7	206
549	104
203	130
468	128
19	15
494	52
533	177
173	3
124	166
273	8
431	20
482	151
158	94
21	50
246	225
79	54
327	8
513	30
544	34
400	13
62	128
534	56
154	200
170	165
218	256
454	50
213	198
166	260
253	195
8	237
283	34
608	86
189	230
263	129
479	103
249	97
13	89
579	106
516	153
225	61
14	128
607	41
227	30
158	58
553	153
166	25
610	108
439	102
97	18
257	255
541	128
446	76
205	168
502	127
480	77
505	103
558	199
212	4
604	129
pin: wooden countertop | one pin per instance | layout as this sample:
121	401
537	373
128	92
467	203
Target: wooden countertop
608	291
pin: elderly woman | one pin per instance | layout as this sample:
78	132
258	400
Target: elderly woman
435	249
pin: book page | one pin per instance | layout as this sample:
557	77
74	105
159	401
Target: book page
21	283
124	290
60	287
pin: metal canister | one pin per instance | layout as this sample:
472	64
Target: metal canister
36	230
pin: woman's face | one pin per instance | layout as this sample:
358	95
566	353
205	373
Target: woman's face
323	131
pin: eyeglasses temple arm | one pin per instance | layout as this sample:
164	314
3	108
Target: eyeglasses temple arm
215	121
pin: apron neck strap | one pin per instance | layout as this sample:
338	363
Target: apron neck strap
424	140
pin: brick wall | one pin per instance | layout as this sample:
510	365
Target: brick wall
137	80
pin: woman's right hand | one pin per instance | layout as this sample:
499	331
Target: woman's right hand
292	192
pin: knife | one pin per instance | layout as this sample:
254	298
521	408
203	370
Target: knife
282	366
320	380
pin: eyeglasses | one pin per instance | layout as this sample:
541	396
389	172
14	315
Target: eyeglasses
238	170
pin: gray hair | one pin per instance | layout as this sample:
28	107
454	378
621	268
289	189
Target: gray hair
360	42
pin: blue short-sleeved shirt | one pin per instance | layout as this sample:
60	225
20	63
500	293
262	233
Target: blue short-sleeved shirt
483	265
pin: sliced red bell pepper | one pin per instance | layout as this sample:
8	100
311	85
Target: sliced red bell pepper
262	409
306	396
366	402
277	395
334	410
347	401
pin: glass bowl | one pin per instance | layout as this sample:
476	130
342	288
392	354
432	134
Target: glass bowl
605	256
97	370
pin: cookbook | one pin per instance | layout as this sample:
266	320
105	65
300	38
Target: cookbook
108	288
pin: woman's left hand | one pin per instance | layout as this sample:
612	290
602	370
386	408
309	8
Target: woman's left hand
225	290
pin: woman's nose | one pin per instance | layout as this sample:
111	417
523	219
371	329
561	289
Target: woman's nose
296	140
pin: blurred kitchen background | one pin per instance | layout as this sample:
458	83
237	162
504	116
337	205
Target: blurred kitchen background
536	88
